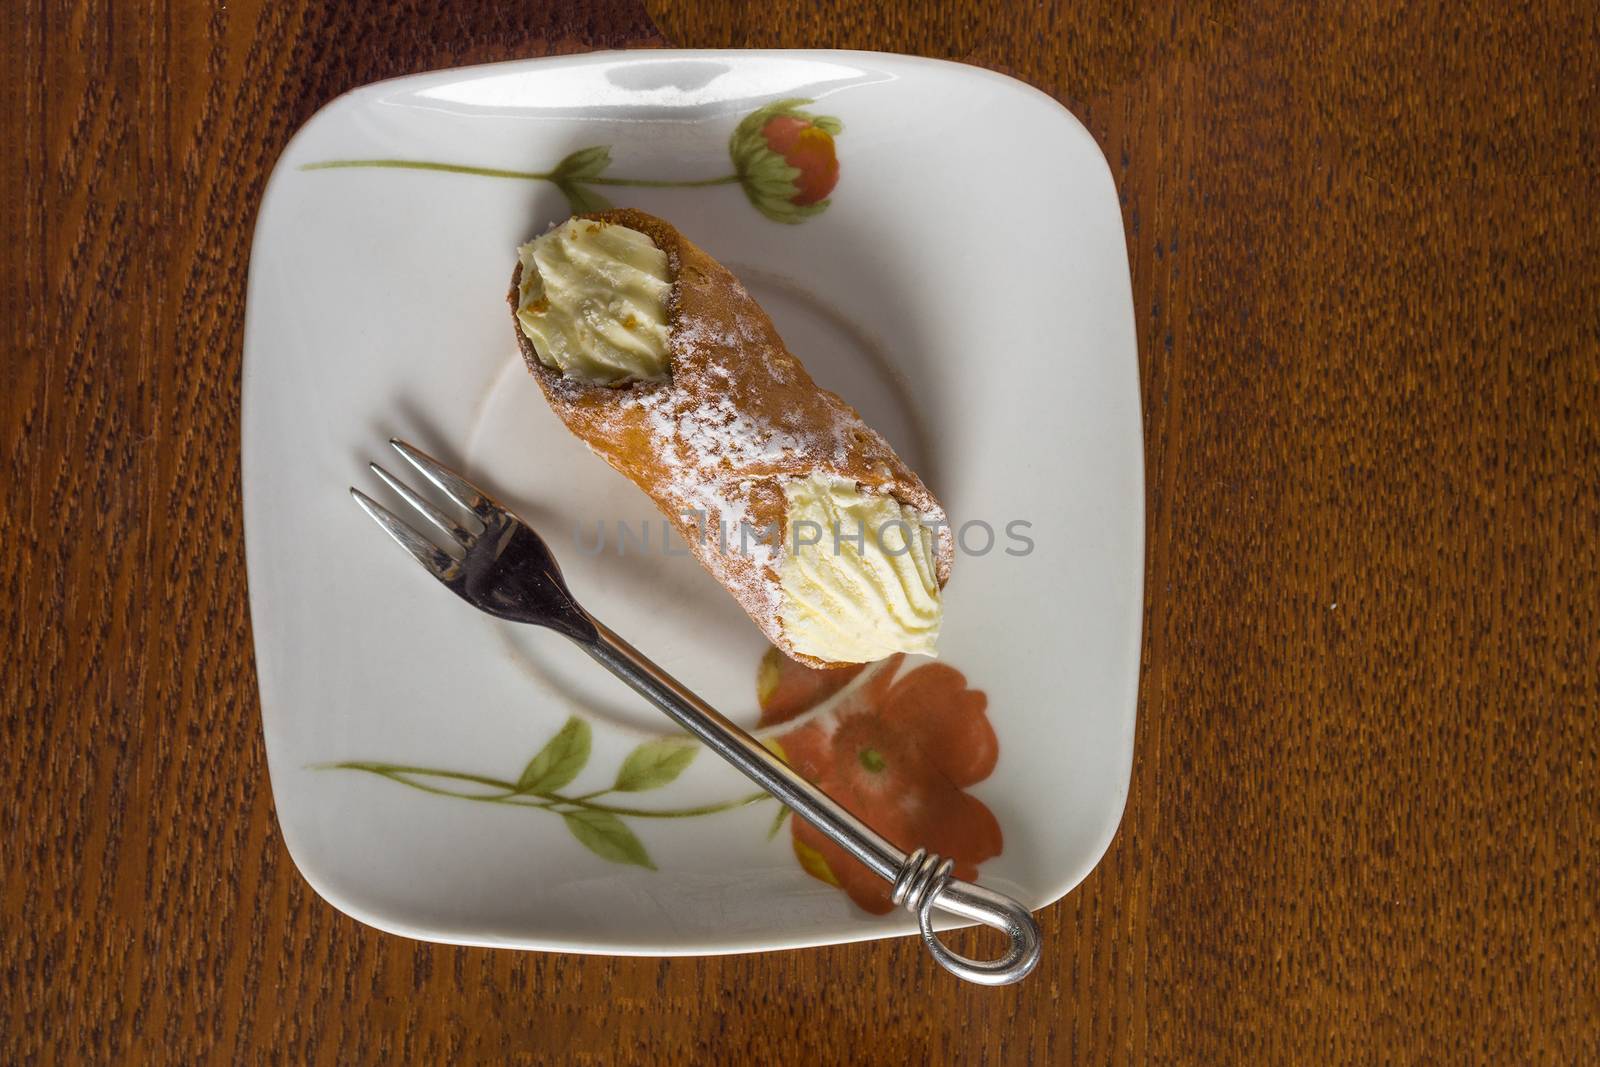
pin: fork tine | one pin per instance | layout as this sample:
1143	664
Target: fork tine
445	523
422	550
449	482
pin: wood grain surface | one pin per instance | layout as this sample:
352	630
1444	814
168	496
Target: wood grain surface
1364	823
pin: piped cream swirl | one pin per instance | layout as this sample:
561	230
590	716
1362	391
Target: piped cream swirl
592	299
858	576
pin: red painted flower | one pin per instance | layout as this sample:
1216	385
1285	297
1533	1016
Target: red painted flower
899	753
786	160
787	689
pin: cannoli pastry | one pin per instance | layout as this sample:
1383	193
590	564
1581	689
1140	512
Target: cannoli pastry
655	356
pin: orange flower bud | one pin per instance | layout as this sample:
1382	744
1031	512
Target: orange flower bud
786	161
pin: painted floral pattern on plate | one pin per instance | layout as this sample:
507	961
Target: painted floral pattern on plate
784	158
899	748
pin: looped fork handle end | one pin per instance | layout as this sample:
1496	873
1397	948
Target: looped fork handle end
924	884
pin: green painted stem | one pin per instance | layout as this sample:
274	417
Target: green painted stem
436	791
651	183
521	175
508	793
639	813
398	768
420	164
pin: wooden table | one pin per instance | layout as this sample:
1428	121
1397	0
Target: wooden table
1364	822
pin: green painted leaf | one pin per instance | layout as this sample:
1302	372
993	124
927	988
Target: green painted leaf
654	764
777	823
559	761
785	212
607	837
582	199
828	125
766	166
588	162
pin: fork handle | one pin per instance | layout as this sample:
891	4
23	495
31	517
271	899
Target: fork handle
922	881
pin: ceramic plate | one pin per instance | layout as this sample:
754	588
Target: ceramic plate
961	278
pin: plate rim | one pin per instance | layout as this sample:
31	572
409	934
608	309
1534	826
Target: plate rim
896	924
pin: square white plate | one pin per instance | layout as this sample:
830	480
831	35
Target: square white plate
966	286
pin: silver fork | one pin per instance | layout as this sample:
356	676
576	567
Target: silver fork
506	569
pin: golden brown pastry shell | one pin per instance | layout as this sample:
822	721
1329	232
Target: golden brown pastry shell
730	374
